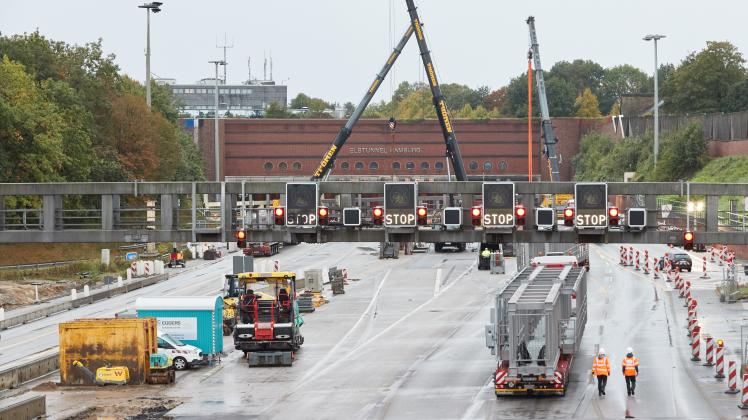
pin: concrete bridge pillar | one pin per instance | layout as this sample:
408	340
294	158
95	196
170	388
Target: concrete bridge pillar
650	203
49	212
167	212
528	200
107	212
712	215
229	215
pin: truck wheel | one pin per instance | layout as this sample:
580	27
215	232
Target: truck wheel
180	363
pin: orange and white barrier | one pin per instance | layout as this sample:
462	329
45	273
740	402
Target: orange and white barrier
276	265
744	396
705	275
637	260
732	377
696	344
631	256
720	366
709	340
622	255
646	261
711	258
656	268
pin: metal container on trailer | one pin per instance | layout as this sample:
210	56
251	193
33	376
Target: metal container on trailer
195	320
98	343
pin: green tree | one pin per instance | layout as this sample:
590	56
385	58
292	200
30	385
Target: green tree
588	163
620	80
276	110
737	97
349	108
681	155
702	82
587	105
417	105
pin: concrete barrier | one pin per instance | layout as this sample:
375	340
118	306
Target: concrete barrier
29	408
93	296
15	376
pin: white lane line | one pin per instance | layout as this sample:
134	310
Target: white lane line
438	281
314	371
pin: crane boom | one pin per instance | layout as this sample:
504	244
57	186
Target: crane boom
325	166
549	137
442	112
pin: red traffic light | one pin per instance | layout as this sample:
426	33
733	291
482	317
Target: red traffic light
323	214
688	238
377	215
519	215
241	238
613	212
613	216
240	234
279	214
569	216
422	215
475	214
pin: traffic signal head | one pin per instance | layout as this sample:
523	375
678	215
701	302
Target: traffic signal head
519	215
688	238
241	238
377	215
279	215
475	215
613	216
569	216
422	216
323	215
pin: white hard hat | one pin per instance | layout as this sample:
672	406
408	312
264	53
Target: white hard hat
629	350
601	351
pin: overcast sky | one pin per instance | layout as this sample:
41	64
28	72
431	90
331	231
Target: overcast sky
333	48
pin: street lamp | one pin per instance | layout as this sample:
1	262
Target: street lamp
154	7
215	116
656	38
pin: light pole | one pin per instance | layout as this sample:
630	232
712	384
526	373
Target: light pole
215	127
154	7
656	38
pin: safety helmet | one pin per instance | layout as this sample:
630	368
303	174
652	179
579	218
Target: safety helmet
601	352
629	350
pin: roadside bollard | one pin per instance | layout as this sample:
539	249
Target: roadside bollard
656	268
646	261
622	256
119	281
744	396
637	261
687	293
732	377
722	256
693	304
276	265
73	294
696	344
711	259
692	324
705	275
631	256
720	366
86	291
709	350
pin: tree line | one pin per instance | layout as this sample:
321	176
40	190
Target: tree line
67	114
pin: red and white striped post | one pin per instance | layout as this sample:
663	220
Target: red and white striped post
621	256
656	268
711	259
345	275
720	360
744	396
646	261
691	320
705	275
276	265
709	340
692	324
631	256
692	306
722	255
687	293
696	344
732	377
637	260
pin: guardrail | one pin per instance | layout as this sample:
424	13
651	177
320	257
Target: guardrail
29	408
94	296
37	266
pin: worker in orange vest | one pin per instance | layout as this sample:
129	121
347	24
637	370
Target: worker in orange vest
601	369
630	367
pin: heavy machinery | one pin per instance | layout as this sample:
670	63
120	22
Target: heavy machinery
111	375
268	323
176	259
262	249
536	326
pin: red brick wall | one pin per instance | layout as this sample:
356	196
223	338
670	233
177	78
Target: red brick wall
728	148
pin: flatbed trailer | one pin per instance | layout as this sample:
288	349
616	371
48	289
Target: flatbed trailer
262	249
536	326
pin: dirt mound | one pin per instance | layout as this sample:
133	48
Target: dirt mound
19	293
46	386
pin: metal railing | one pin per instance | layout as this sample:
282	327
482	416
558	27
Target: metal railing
79	219
23	219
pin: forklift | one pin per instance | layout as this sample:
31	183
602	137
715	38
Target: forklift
267	325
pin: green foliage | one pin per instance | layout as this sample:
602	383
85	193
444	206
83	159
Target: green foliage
276	110
702	82
681	155
737	97
67	115
620	80
724	169
587	105
314	105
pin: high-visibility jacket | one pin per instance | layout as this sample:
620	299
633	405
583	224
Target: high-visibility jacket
601	366
486	253
630	366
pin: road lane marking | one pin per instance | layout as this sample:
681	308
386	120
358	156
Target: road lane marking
438	281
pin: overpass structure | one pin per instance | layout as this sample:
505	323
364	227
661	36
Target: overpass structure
213	211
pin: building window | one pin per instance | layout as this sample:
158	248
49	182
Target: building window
178	91
345	166
297	166
359	166
268	166
396	166
473	166
425	166
410	166
487	166
283	166
439	166
373	166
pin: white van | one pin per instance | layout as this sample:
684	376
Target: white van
183	355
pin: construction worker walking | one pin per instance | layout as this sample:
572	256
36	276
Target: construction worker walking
601	369
630	367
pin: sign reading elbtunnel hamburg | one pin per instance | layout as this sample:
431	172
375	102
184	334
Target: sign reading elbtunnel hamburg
301	204
591	201
498	204
400	204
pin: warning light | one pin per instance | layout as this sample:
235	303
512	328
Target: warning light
720	342
568	216
323	214
377	215
241	238
278	215
475	215
422	215
519	215
613	216
688	238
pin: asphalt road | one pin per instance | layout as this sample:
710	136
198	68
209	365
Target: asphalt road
406	342
25	341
